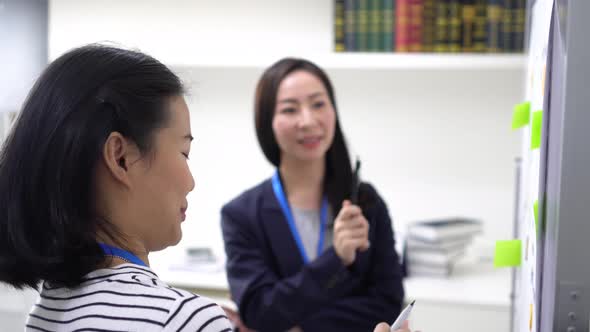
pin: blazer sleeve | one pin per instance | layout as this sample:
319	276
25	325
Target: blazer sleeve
384	294
265	301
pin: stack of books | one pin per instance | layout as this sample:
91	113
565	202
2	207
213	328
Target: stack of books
434	247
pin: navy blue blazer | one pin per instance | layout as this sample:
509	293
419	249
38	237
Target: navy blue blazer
275	290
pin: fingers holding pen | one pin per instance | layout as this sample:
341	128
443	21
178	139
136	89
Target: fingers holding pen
351	232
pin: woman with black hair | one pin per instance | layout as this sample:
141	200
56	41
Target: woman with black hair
300	254
93	177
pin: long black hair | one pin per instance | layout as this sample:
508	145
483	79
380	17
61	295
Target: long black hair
48	224
339	176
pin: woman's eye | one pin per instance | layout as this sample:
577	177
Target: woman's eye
288	110
319	104
185	155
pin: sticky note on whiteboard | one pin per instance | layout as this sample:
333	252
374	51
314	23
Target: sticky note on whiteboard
536	128
521	115
508	253
531	317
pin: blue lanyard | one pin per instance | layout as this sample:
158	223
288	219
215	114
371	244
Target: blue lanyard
120	253
280	195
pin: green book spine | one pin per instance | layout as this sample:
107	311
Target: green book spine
494	21
441	35
468	27
387	25
375	26
455	19
339	26
428	25
362	37
349	25
480	33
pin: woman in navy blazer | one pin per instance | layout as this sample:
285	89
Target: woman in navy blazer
354	280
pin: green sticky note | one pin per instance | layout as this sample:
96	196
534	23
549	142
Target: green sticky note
536	130
521	115
508	253
536	209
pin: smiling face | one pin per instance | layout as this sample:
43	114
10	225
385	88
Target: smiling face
162	181
304	117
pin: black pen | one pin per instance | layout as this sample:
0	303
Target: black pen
356	183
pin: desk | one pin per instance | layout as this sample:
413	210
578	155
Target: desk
475	297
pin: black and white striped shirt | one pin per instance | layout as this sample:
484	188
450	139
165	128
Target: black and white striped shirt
128	297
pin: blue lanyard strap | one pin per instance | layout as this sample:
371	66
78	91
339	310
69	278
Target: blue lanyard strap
281	197
120	253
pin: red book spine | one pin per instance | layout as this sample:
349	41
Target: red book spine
416	24
402	25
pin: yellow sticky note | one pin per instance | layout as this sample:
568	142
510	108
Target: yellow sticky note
521	115
536	210
508	253
536	128
530	317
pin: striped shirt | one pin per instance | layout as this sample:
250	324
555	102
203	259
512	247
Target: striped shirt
128	297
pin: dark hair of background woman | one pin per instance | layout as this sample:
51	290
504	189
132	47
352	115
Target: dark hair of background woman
48	224
338	179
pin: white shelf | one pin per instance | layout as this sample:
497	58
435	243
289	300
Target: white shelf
366	61
471	284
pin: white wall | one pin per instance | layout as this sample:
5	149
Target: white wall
23	49
434	142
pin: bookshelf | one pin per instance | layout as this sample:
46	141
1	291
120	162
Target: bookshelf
237	34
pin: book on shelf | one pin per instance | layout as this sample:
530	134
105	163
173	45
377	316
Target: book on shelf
402	26
513	19
362	25
493	26
349	25
434	257
436	231
441	36
388	26
375	26
417	270
449	244
518	23
339	26
455	17
415	26
428	25
468	26
480	19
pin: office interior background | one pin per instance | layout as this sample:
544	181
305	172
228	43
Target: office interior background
432	129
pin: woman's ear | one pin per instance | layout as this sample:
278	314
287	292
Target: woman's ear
117	154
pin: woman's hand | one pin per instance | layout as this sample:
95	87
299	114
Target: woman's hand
384	327
351	233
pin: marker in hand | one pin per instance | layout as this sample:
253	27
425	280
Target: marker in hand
356	182
403	316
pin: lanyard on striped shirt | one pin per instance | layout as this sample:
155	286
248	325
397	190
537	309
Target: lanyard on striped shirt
120	253
281	197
